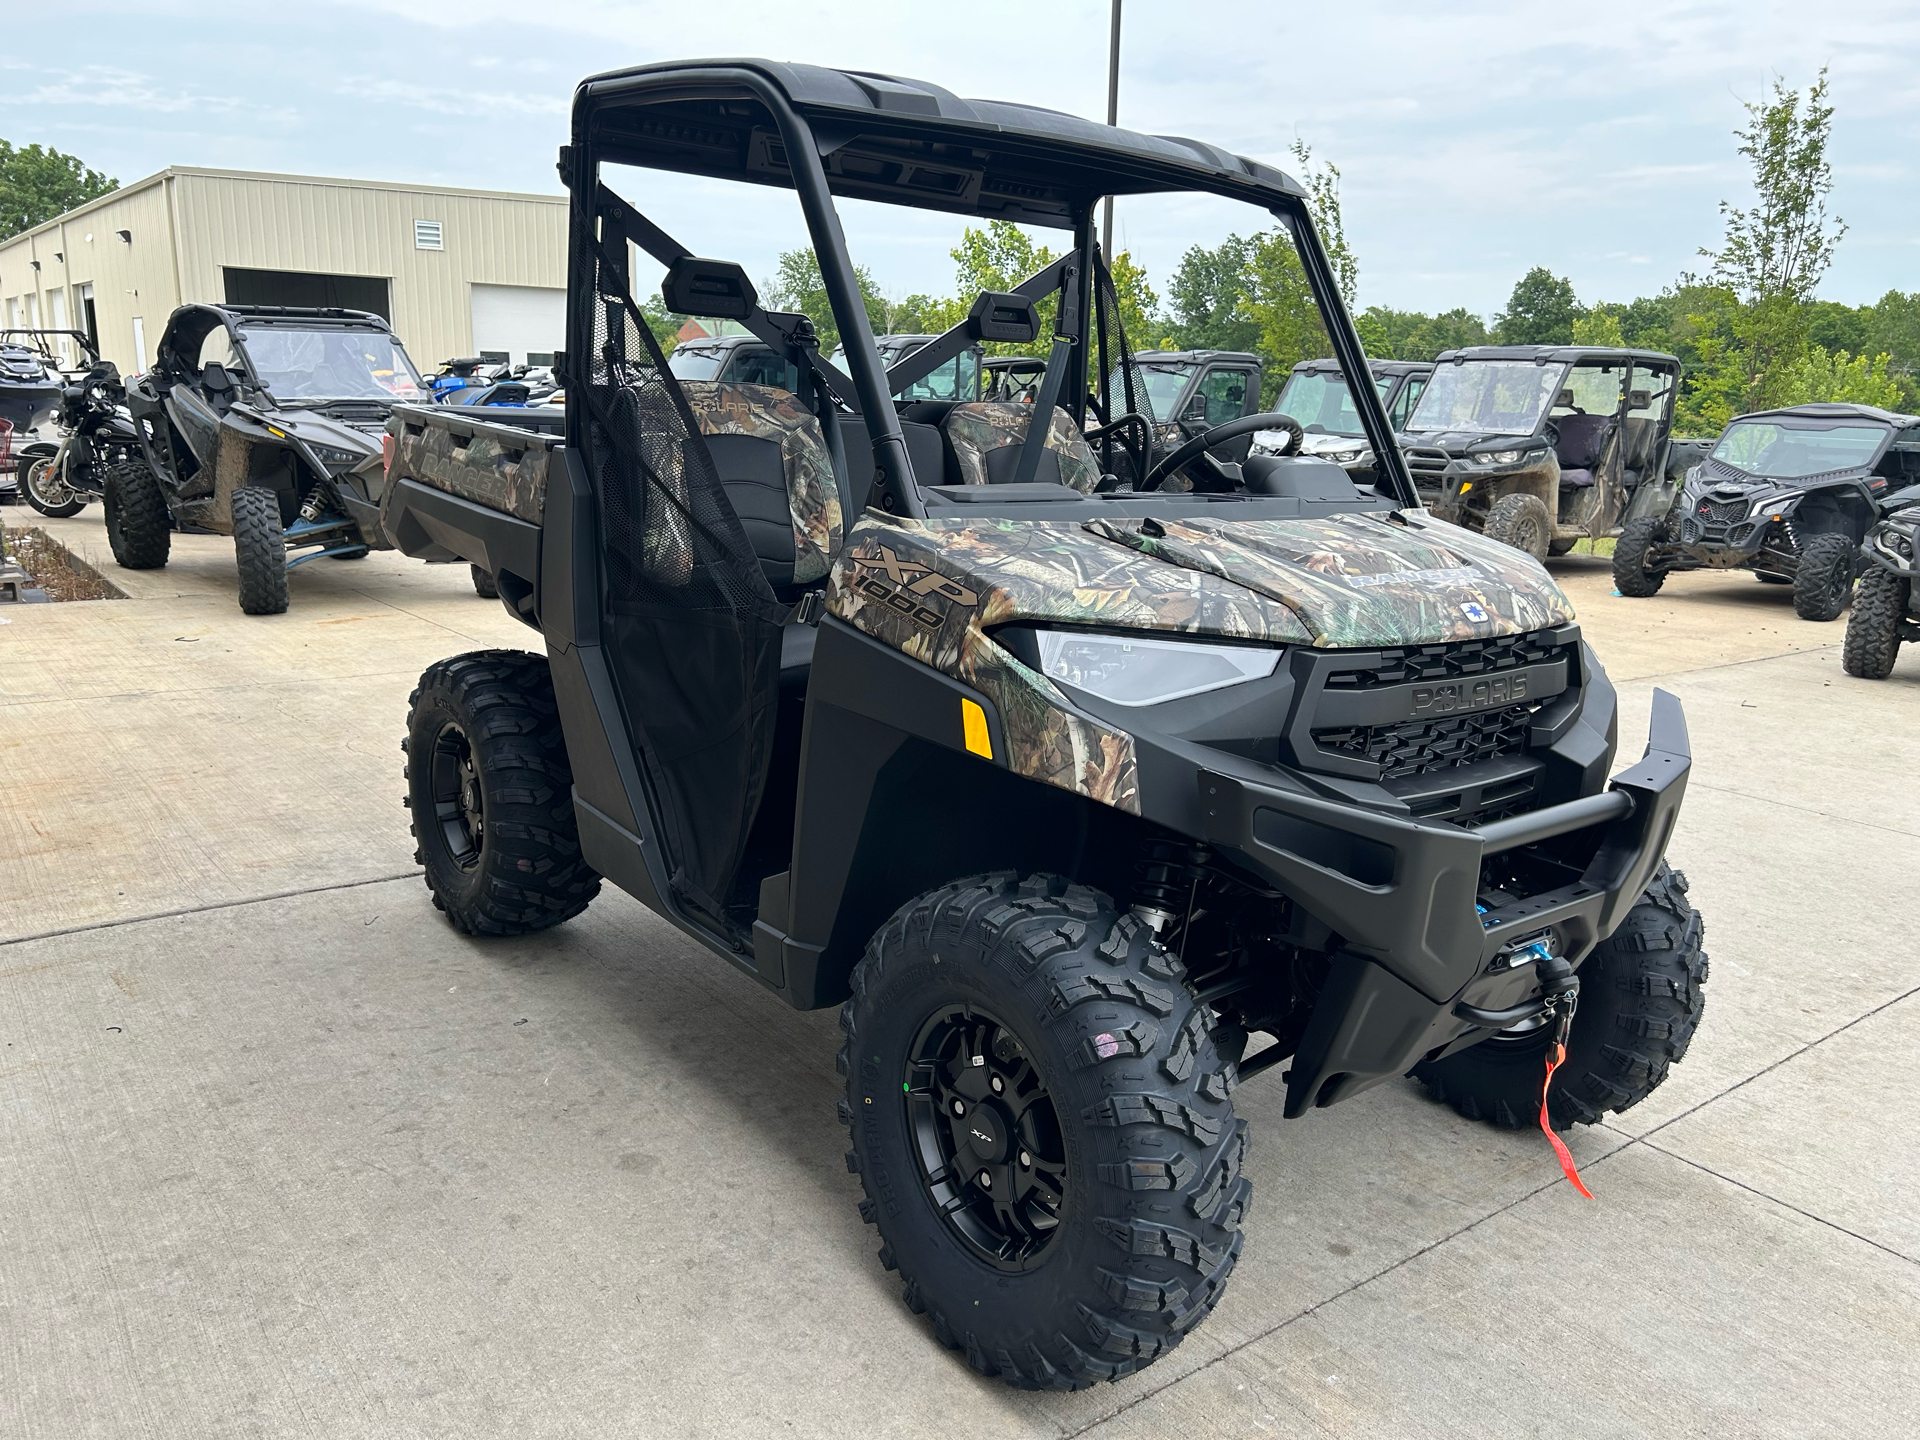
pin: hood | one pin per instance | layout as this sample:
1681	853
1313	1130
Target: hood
1344	582
1357	581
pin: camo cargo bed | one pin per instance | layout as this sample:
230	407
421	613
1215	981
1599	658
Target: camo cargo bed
491	463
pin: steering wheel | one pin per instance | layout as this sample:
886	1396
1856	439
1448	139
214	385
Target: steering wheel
1219	435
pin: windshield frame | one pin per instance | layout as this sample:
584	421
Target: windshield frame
613	123
241	333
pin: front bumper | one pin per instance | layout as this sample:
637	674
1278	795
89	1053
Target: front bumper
1422	968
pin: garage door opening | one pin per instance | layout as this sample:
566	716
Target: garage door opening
520	324
301	288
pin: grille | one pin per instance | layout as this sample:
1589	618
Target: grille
1721	512
1418	747
1458	657
1427	464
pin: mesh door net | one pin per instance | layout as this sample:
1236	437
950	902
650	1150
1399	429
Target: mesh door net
1120	388
694	625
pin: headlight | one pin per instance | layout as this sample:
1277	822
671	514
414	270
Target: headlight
1139	670
1344	457
1774	502
333	455
1497	457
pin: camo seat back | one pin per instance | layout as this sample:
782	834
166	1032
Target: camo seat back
774	465
985	437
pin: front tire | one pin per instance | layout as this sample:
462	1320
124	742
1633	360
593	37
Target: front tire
1630	573
47	493
1824	581
260	551
1640	1003
1080	1211
139	529
1873	629
491	794
1521	521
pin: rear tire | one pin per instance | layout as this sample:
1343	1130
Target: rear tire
139	529
1640	1002
260	551
1873	629
36	474
1113	1092
483	583
1521	521
1630	573
491	794
1561	547
1824	582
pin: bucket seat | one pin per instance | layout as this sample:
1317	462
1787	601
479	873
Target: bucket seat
1583	440
984	438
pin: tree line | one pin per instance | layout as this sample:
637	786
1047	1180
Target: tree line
1749	330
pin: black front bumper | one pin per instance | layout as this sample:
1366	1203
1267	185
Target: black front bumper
1422	968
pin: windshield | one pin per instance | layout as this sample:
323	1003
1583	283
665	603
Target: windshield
694	364
1489	397
1788	452
331	364
1165	385
1319	400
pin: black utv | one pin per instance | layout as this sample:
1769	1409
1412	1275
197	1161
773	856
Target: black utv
1542	446
1788	494
1316	396
1886	607
264	423
1063	786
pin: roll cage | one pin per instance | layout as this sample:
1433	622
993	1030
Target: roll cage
177	356
826	133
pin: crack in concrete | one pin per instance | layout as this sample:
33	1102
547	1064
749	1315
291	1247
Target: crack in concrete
203	909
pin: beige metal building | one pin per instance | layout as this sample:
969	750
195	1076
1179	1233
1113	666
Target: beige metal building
456	272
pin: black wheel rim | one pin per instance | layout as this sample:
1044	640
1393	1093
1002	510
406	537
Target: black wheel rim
987	1138
459	806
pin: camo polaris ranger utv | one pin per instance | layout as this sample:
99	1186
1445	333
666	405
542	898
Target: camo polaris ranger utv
1062	790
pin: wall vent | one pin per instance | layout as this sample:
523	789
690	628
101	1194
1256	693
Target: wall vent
426	235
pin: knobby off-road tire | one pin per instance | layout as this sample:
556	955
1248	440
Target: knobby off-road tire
1873	629
1521	521
260	551
35	474
483	583
1630	573
491	795
139	529
1561	547
1824	582
1640	1002
1068	996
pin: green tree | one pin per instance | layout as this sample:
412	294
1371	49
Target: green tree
797	286
1206	300
1411	335
1598	326
1785	242
1540	311
38	184
1322	184
999	258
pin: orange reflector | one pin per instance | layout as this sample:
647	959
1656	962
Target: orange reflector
1466	486
973	720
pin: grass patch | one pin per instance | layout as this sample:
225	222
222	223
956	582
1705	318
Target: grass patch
56	569
1592	547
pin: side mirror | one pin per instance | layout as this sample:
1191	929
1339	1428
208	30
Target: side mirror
1003	316
717	288
1639	400
1564	400
1197	410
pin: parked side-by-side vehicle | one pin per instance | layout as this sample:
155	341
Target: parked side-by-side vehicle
265	423
1062	764
1542	446
1788	494
1316	396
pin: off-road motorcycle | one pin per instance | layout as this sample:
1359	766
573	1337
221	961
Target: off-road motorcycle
96	436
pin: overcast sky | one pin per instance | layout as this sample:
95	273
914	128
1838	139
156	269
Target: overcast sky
1476	138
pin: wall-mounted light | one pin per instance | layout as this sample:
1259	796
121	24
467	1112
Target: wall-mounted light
126	236
34	263
89	237
59	258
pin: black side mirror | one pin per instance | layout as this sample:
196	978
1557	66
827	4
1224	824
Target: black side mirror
1639	400
716	288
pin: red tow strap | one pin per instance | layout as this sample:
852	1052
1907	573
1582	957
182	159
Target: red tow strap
1555	1058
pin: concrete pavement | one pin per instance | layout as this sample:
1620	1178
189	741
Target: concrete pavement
316	1165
